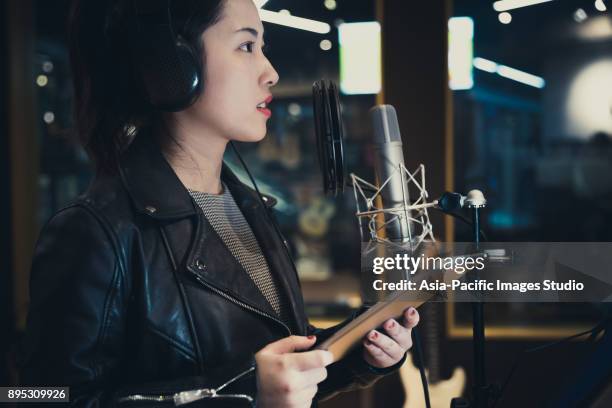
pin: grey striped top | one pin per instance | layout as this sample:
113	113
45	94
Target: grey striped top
227	220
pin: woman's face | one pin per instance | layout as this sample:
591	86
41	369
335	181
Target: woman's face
238	76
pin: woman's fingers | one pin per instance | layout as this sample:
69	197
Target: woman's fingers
377	357
399	333
384	350
302	399
313	377
387	344
287	378
411	317
402	333
308	360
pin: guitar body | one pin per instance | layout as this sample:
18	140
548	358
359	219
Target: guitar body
440	393
314	220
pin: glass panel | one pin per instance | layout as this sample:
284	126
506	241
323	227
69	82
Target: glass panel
534	133
534	130
64	168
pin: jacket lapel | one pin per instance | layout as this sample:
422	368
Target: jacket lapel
276	253
213	262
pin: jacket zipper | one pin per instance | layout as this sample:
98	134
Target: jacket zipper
239	303
149	398
186	397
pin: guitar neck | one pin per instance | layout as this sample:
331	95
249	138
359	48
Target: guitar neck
431	338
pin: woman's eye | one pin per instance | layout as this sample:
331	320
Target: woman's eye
247	47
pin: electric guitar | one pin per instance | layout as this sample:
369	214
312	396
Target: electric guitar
441	392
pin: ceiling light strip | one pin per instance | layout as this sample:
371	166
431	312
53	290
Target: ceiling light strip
509	72
485	65
520	76
294	22
505	5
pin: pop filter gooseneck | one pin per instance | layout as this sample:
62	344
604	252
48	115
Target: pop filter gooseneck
329	133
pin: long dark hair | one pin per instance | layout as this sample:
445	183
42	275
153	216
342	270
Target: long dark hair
109	105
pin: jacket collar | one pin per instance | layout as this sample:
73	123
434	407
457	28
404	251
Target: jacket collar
150	181
157	191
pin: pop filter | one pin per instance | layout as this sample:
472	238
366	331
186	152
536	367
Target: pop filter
329	132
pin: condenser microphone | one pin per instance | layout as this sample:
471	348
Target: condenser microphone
388	156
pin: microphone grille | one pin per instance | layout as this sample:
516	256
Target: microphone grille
384	124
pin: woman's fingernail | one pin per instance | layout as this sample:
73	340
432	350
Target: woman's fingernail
392	324
412	311
373	335
312	336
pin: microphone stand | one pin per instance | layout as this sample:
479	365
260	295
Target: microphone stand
482	391
475	201
481	388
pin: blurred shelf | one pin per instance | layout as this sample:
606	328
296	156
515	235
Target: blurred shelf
329	302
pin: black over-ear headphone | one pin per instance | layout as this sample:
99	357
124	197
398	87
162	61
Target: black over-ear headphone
168	65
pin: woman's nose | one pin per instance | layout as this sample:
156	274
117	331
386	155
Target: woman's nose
270	76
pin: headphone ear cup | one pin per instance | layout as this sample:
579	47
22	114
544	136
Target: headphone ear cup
193	68
170	70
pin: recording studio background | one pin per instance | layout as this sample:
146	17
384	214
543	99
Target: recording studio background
525	115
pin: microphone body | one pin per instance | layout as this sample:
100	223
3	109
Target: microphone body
450	202
387	160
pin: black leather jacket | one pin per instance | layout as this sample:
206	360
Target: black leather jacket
134	296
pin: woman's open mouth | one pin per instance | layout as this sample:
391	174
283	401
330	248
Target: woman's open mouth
263	107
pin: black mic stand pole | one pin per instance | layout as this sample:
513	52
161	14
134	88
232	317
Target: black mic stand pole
475	201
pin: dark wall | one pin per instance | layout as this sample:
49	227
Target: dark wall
7	323
415	82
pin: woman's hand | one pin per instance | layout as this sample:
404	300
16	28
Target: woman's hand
380	350
289	379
